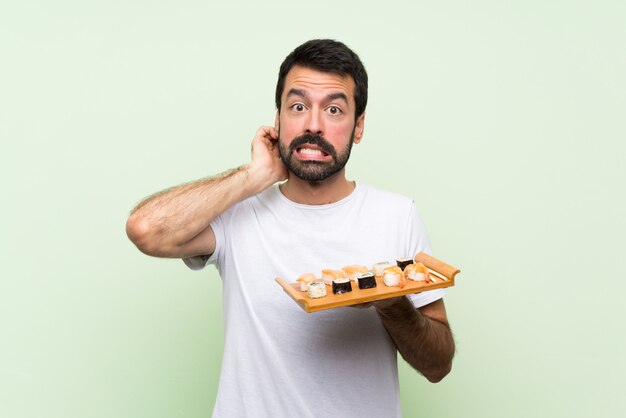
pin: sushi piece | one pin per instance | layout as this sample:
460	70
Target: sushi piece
342	285
305	280
366	280
403	262
316	290
393	276
351	272
417	272
378	268
328	275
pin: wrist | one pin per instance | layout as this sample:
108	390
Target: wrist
399	309
256	179
392	304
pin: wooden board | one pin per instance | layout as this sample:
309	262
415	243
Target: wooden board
442	274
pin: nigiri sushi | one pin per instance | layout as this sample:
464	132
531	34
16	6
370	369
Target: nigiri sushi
305	280
393	276
328	275
351	272
417	272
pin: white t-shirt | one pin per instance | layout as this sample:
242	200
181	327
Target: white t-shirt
280	361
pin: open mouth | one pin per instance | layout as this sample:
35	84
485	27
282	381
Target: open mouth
312	153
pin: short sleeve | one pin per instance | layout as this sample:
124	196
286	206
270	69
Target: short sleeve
424	298
418	241
197	263
201	261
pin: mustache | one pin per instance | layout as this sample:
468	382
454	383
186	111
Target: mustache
313	139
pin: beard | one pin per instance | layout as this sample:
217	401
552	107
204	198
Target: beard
314	170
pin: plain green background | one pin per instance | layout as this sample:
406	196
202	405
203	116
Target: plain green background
504	120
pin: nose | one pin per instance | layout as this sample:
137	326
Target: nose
314	123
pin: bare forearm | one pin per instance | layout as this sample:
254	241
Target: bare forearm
164	222
425	343
176	222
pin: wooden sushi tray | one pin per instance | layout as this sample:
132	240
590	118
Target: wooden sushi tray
442	275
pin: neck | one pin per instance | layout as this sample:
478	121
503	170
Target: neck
324	192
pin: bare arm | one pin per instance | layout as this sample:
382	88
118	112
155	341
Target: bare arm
176	222
422	336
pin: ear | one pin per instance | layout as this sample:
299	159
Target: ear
358	128
277	121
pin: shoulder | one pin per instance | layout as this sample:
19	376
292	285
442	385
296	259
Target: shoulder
267	198
376	194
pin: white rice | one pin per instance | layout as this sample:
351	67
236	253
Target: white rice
391	279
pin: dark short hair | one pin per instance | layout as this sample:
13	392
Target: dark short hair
329	56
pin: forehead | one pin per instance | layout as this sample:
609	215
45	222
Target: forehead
314	81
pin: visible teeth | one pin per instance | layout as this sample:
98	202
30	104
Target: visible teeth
310	151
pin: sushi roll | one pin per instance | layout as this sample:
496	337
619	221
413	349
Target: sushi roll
378	268
305	280
417	272
316	290
342	285
393	276
403	262
351	272
328	275
366	280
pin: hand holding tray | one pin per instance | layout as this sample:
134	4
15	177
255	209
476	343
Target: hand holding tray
442	275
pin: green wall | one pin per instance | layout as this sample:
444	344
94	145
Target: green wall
503	119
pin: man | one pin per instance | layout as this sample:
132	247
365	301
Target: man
279	361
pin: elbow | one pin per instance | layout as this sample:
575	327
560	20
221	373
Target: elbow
438	375
142	234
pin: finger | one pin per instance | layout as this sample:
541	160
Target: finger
273	133
263	131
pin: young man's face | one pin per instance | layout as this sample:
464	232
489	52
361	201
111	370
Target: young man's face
316	123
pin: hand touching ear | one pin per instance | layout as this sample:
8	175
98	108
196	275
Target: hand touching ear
266	165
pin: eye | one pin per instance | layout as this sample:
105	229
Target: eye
334	110
298	107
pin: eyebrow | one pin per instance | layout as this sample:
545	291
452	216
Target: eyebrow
296	92
329	97
335	96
